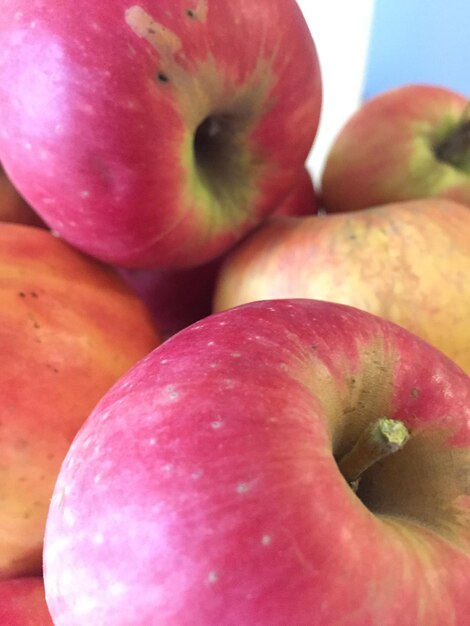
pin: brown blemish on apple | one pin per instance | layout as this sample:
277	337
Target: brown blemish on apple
200	12
165	42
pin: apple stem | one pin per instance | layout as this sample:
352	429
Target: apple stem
380	439
455	149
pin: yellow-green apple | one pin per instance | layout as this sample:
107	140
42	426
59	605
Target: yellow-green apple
408	262
180	297
407	143
13	208
69	327
239	475
23	603
156	132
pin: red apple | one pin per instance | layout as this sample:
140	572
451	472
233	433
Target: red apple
156	133
407	262
23	603
407	143
302	199
206	489
13	207
180	297
69	327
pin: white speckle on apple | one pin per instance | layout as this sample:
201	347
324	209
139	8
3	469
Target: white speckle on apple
217	424
243	487
212	365
163	361
84	194
59	128
171	391
69	517
213	577
236	355
210	343
33	24
197	474
98	538
97	478
152	441
168	467
266	540
222	323
18	15
27	145
229	383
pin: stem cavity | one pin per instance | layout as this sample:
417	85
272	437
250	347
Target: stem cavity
382	438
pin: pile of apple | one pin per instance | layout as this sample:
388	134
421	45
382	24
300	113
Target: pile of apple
226	399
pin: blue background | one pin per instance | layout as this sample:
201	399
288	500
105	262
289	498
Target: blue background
416	41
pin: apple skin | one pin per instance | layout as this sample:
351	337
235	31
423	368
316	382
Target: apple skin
156	134
385	151
23	602
203	489
407	262
180	297
69	327
13	208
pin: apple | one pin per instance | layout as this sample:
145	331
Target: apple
407	143
408	262
156	133
23	603
239	475
302	199
69	328
13	208
176	298
180	297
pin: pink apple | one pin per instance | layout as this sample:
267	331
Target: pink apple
205	489
69	328
180	297
23	603
408	143
156	132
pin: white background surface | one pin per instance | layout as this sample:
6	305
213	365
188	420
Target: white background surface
340	29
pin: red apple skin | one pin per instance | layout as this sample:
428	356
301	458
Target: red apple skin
407	262
103	147
385	152
69	327
204	490
13	207
179	297
303	199
23	603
